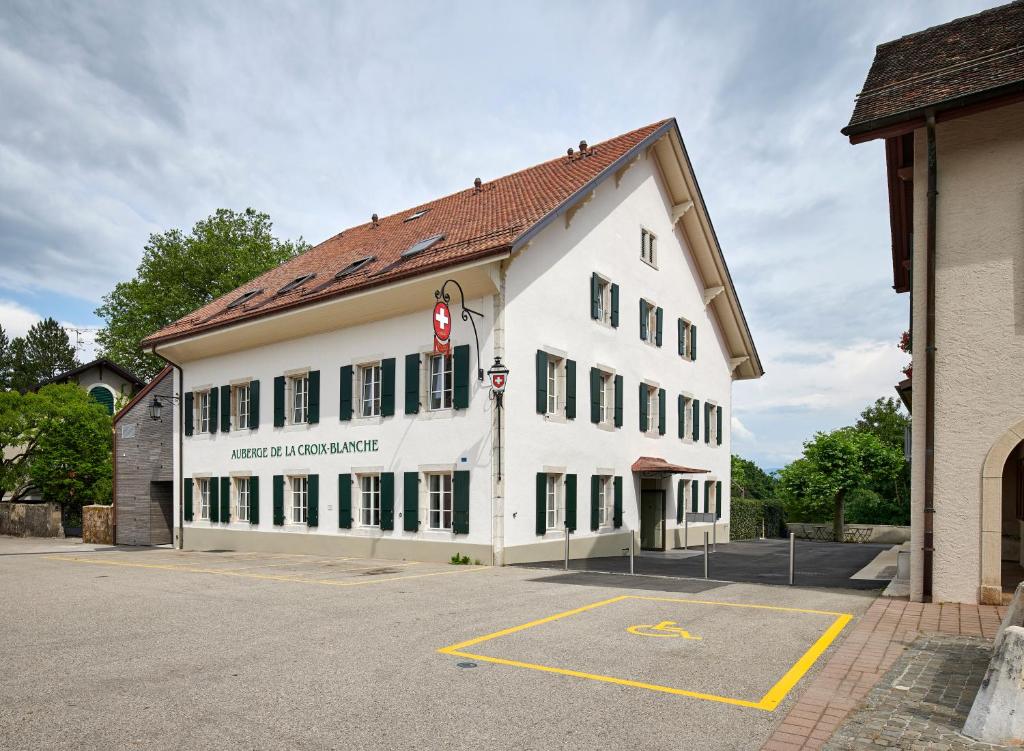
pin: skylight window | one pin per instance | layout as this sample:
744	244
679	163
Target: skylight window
244	298
354	267
422	245
295	283
416	215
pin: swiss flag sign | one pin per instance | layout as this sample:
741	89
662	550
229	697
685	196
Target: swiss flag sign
442	321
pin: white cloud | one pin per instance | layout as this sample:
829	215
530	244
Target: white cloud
740	431
16	319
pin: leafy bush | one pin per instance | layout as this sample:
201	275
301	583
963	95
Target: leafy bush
865	506
747	514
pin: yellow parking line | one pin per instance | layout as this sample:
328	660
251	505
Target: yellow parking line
767	703
265	577
278	564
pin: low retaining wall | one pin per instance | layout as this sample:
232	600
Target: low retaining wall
30	520
883	533
98	525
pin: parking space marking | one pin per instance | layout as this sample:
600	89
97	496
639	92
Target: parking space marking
265	577
766	703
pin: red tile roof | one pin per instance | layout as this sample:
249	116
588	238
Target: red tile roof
475	222
657	464
972	58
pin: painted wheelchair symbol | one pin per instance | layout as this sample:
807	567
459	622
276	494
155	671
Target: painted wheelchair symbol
669	629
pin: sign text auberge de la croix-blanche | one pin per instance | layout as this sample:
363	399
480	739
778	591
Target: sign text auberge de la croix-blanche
308	449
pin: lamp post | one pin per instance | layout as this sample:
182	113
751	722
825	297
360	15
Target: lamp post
498	375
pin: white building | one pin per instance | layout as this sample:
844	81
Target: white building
317	417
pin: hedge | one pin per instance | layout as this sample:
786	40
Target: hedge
746	515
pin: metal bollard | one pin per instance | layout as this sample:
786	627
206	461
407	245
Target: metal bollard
705	555
686	532
792	557
762	528
714	536
632	544
566	547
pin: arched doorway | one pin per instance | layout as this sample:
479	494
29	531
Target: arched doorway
1002	517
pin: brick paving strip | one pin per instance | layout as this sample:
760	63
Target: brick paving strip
874	645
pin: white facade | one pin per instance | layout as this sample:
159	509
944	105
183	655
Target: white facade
537	297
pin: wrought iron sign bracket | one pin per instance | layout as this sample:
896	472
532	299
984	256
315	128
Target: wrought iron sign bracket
467	315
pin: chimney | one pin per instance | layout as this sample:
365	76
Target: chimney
373	219
478	183
583	147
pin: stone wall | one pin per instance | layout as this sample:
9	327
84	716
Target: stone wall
30	520
882	533
98	525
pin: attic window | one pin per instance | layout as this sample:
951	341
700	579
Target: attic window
416	215
354	267
295	283
244	298
422	245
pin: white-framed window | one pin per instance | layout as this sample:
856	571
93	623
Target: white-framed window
298	389
687	339
202	402
553	389
203	491
605	501
652	408
298	499
685	496
440	384
369	500
241	510
369	389
687	418
553	501
651	314
648	247
606	399
712	426
240	395
712	491
439	500
604	300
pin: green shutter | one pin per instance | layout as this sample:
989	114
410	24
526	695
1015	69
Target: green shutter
707	423
707	495
313	501
313	413
718	499
542	489
595	502
570	389
643	320
387	500
187	487
681	413
278	500
718	433
595	395
278	401
618	400
659	316
460	366
411	498
225	409
643	408
345	501
214	411
595	296
617	513
661	411
680	500
542	382
412	384
387	387
682	336
254	500
214	500
615	306
460	502
570	502
189	414
696	419
225	499
693	341
694	495
345	394
254	404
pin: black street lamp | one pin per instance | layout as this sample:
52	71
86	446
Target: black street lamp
498	375
156	406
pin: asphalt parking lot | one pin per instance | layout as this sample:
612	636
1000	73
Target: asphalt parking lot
156	648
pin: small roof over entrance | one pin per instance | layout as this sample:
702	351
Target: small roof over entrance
655	465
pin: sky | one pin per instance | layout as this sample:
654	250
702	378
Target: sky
118	120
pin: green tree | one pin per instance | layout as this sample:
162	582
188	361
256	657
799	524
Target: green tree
44	352
182	272
6	363
887	420
750	481
833	465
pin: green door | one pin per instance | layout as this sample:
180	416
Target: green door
652	519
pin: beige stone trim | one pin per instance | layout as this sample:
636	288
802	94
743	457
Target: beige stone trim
990	590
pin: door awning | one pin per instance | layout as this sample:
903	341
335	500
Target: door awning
656	465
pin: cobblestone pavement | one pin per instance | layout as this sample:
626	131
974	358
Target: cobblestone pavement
923	701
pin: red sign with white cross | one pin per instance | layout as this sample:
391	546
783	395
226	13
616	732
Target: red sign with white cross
442	321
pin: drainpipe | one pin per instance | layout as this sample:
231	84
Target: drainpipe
181	448
929	425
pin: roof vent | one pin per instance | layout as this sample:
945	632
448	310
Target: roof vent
583	147
569	152
354	267
422	245
374	221
415	215
478	184
246	297
296	282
